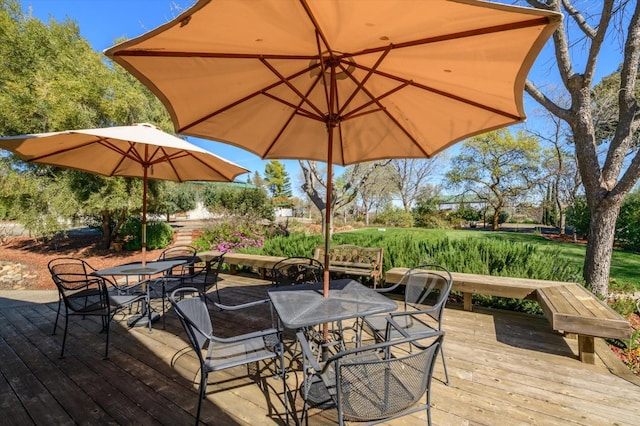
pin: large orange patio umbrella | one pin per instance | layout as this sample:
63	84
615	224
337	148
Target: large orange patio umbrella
140	150
340	81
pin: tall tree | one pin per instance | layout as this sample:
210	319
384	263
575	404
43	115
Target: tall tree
375	191
606	178
277	180
560	165
315	186
408	175
51	80
496	166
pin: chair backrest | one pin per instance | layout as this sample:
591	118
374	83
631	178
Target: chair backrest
81	291
212	271
371	388
427	286
179	252
296	270
192	310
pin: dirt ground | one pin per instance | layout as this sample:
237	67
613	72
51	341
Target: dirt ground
35	256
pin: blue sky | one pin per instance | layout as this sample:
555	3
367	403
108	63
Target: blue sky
103	21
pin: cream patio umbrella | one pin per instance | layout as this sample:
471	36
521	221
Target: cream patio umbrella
340	81
140	150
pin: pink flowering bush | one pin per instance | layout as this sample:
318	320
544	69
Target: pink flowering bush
234	233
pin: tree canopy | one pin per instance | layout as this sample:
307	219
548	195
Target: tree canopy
496	167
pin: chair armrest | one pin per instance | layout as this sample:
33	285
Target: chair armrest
416	312
241	306
241	337
392	324
387	289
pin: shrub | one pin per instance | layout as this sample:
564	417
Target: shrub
395	217
159	234
234	233
478	256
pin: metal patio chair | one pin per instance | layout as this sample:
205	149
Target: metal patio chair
84	294
375	383
219	353
296	270
426	289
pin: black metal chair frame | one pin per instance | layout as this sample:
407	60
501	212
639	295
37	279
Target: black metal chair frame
296	270
191	306
414	318
375	383
84	294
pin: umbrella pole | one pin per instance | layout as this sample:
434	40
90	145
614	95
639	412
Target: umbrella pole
144	217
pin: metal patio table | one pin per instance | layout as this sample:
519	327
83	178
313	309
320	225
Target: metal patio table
141	271
303	305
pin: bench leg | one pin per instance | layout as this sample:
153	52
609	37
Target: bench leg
468	306
233	269
586	349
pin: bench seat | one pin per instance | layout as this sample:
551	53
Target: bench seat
353	260
569	307
259	262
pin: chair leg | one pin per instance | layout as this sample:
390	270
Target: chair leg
444	364
55	324
106	326
64	336
203	390
283	376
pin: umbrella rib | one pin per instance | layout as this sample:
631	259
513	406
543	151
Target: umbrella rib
541	21
210	55
442	93
291	86
354	113
61	151
284	126
262	91
297	109
319	32
361	83
396	122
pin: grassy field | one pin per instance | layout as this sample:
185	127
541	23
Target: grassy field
625	266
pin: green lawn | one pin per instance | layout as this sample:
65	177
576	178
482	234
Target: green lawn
625	266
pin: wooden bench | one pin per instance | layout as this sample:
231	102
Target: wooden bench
353	260
259	262
569	307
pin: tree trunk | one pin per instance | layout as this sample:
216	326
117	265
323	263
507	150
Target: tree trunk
323	215
597	261
495	220
106	230
562	223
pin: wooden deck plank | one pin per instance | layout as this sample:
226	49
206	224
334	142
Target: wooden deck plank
37	324
68	394
504	367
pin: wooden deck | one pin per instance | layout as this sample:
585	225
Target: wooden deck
505	368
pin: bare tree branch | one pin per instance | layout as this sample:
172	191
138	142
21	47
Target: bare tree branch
577	16
545	101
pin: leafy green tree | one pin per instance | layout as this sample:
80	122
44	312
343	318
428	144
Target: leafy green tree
173	197
237	200
51	80
628	224
112	199
496	166
277	180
